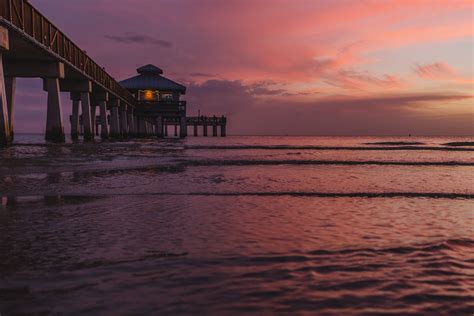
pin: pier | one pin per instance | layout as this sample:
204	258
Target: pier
146	105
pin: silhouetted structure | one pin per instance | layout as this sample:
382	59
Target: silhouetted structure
159	105
32	47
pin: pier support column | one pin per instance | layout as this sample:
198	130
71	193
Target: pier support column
54	119
10	87
204	130
223	131
123	120
175	130
183	127
135	125
166	130
195	130
76	100
5	135
131	123
114	118
214	130
104	126
159	126
86	116
94	119
142	127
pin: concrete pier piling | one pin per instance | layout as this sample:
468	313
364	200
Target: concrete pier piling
141	127
86	116
93	117
214	130
131	123
114	105
204	130
183	128
10	89
159	126
75	130
195	130
54	118
104	126
123	120
5	131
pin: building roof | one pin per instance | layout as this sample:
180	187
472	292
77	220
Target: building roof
150	69
150	78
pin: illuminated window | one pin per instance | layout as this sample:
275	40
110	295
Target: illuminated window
148	95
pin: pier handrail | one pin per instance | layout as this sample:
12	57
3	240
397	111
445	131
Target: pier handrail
21	16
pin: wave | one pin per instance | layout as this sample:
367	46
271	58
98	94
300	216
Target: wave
438	195
429	248
76	198
250	162
288	147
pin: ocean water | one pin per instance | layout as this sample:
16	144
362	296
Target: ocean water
252	225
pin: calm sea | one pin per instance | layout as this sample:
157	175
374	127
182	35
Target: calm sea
253	225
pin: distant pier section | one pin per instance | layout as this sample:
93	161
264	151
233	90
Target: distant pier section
143	106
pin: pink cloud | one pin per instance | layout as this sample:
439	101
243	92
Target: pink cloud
440	71
349	79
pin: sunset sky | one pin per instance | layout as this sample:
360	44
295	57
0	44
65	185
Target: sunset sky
297	67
